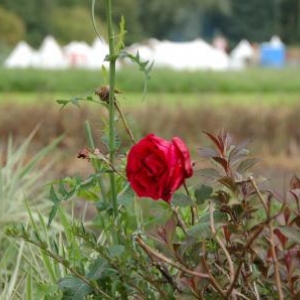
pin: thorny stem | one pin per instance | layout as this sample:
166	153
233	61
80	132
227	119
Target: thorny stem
271	229
151	252
112	75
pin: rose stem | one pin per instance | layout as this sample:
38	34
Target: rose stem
194	211
111	107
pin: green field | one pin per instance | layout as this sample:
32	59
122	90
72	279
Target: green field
162	81
170	100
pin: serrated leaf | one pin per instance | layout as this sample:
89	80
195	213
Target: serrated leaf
115	250
216	141
207	152
182	200
75	288
203	193
97	269
246	164
221	161
209	173
202	229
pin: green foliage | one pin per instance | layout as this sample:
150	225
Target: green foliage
74	23
12	27
21	183
173	20
253	20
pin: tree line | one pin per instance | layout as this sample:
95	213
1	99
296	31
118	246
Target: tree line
176	20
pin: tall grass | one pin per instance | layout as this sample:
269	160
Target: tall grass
162	80
21	185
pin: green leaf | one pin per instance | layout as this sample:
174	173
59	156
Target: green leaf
63	102
97	269
121	36
53	196
116	250
75	288
182	200
201	230
203	193
52	214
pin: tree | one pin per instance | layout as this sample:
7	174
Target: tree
290	20
12	27
75	23
178	20
253	20
36	16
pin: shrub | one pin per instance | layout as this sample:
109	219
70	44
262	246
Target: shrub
220	235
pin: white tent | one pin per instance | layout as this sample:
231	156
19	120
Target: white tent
241	55
77	54
21	57
99	50
194	55
51	55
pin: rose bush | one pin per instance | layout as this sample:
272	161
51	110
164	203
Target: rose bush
156	168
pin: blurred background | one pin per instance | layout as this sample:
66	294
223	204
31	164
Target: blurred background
217	64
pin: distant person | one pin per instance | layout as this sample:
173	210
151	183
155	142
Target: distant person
221	43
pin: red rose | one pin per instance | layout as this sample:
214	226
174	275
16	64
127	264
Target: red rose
156	168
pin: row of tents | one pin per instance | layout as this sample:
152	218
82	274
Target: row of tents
193	55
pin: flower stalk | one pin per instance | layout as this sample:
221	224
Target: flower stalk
111	105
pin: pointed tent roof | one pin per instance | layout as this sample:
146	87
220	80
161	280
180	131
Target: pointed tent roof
99	51
51	55
20	57
243	50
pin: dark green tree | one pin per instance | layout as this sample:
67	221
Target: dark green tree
289	16
178	20
253	20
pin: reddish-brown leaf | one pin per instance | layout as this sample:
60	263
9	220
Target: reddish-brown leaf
223	162
216	141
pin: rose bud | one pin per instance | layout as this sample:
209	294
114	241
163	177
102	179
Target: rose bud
156	168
